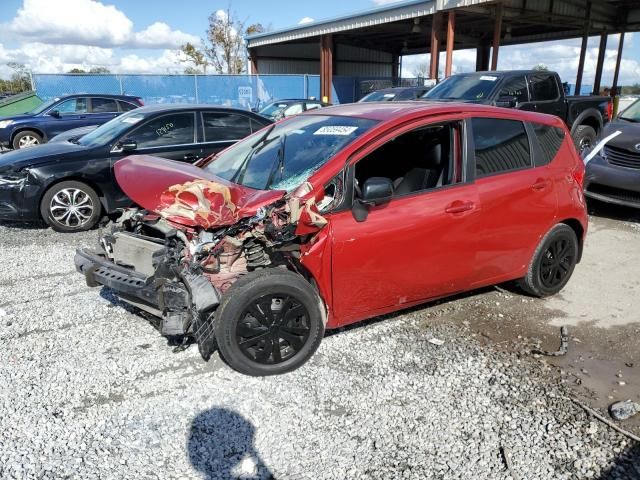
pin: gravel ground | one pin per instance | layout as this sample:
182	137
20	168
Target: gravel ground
91	390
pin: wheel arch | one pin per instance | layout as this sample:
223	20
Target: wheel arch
28	129
579	230
73	178
591	118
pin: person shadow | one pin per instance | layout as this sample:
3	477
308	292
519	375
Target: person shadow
221	446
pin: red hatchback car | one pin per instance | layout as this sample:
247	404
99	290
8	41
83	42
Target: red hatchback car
339	215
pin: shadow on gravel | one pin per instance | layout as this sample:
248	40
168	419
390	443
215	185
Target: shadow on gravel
220	446
626	466
24	225
613	212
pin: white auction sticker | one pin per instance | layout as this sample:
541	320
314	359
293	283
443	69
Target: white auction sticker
336	130
487	77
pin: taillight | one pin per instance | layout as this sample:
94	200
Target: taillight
610	109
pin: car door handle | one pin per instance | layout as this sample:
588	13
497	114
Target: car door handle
541	184
459	207
190	157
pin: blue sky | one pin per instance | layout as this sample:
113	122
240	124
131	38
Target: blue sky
143	35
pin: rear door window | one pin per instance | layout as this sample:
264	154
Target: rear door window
550	140
167	130
501	146
543	87
103	105
223	126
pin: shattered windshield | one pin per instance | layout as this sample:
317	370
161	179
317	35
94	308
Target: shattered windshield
285	155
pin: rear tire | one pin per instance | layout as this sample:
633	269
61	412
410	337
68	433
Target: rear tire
584	138
25	139
71	206
553	262
268	323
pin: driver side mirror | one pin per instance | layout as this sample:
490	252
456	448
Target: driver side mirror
375	191
54	113
507	102
128	145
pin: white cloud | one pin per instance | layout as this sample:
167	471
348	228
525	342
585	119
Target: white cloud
306	20
561	56
97	25
160	35
44	58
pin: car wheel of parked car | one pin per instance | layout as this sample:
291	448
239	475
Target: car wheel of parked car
70	207
26	139
553	262
269	322
584	137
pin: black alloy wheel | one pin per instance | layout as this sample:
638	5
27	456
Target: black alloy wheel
553	262
269	322
557	263
272	329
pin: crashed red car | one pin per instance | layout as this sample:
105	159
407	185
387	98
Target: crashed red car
339	215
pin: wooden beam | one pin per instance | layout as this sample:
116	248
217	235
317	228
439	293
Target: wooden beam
435	46
583	49
497	34
600	65
254	62
326	67
451	31
616	73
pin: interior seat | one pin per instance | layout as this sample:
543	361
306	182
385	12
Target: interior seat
422	178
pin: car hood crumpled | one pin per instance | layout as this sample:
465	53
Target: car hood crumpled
186	194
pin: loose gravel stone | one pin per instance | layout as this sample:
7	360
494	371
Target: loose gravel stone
91	390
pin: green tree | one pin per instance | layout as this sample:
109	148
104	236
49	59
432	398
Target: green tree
196	57
224	47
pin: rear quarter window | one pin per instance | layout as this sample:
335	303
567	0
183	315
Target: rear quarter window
501	146
550	140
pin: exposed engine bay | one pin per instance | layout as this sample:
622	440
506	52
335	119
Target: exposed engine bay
180	273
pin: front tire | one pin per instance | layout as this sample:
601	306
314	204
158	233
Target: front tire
70	206
268	323
553	262
26	139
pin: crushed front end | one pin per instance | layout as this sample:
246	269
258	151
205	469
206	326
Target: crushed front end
180	273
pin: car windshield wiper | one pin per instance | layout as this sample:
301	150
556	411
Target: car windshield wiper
279	167
238	176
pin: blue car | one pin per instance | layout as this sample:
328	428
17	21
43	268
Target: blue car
62	114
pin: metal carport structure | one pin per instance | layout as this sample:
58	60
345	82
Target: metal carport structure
371	43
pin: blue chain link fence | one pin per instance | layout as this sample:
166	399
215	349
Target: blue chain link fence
243	91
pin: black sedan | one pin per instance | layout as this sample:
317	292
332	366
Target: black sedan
70	184
613	175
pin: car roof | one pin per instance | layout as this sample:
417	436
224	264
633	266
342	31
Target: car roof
159	107
384	111
100	95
